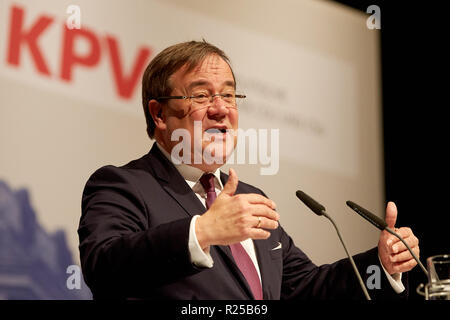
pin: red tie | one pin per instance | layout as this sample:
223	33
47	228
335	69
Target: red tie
240	256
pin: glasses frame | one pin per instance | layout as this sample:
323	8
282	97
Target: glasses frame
211	98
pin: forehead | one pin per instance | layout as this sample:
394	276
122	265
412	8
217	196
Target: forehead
211	70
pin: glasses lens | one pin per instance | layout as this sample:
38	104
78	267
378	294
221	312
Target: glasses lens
229	98
204	99
200	99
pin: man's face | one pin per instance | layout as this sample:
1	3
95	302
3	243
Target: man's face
212	76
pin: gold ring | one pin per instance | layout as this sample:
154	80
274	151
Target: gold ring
259	222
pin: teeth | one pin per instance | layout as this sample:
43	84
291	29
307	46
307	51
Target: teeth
215	130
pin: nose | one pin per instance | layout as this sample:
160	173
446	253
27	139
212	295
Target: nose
218	107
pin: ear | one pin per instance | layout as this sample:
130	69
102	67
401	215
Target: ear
155	109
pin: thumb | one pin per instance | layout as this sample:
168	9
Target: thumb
391	214
231	185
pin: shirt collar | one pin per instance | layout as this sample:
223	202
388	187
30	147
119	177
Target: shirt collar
191	174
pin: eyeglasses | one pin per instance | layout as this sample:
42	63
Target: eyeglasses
203	99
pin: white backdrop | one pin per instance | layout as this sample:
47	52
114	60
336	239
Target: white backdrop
309	68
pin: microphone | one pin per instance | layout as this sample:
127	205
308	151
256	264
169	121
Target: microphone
373	219
319	209
316	207
382	225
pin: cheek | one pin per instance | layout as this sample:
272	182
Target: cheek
184	128
234	119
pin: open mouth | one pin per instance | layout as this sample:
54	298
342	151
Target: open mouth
216	130
214	134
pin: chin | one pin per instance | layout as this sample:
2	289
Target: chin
217	153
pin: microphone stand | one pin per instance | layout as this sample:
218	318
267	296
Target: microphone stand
319	209
361	283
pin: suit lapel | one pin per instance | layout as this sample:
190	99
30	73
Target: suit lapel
264	260
173	183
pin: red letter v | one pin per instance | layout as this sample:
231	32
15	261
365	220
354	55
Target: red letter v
126	84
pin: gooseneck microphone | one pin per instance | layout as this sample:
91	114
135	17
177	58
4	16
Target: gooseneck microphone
373	219
319	209
382	225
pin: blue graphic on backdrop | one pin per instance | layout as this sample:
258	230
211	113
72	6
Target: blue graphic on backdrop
33	263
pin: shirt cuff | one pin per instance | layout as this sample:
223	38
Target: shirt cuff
198	257
395	280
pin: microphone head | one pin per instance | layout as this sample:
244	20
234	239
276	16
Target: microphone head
366	214
316	207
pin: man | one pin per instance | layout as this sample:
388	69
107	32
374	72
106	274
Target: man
160	229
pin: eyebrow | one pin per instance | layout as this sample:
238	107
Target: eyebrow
198	83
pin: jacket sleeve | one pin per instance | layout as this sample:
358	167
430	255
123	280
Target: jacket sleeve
302	279
121	253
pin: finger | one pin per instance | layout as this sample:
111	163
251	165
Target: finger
391	214
403	233
255	198
258	233
232	183
389	238
404	256
404	266
264	211
400	246
264	223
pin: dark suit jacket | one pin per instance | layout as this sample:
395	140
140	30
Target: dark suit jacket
134	233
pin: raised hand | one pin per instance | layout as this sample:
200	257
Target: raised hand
394	255
234	218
